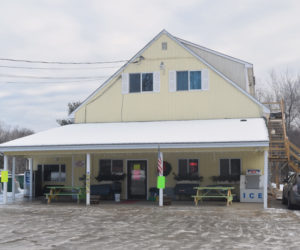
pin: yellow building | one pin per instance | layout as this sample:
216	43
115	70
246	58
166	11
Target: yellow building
193	104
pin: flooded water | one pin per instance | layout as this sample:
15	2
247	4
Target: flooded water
146	226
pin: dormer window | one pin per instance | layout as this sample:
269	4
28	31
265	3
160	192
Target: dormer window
140	82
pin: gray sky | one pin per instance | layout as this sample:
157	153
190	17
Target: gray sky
265	33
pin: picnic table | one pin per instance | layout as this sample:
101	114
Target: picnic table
213	192
56	191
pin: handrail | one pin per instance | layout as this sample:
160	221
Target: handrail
283	118
293	146
271	103
295	155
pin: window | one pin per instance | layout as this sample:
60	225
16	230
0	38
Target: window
188	80
54	172
108	167
164	46
188	167
140	82
230	167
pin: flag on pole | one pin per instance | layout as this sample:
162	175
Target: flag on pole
160	164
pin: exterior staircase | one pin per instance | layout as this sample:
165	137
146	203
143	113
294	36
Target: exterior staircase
284	156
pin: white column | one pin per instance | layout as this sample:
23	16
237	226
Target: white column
30	162
73	164
88	177
13	177
5	183
266	175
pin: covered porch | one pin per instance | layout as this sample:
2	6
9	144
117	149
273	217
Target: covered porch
205	152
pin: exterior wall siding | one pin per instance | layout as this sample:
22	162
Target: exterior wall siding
222	100
233	70
208	164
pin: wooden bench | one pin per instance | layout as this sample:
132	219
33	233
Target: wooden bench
206	192
56	191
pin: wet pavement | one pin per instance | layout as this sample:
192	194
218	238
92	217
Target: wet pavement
144	225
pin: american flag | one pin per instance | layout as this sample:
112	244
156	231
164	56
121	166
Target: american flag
160	166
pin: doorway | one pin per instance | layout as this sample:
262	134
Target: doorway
137	179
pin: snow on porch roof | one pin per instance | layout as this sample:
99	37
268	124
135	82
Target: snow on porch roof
250	132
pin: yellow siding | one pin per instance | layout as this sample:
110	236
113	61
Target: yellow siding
222	100
208	163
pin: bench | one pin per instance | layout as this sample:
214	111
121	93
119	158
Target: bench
213	192
56	191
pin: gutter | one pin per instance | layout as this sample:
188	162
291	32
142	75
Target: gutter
135	146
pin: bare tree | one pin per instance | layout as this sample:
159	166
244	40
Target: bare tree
286	87
7	134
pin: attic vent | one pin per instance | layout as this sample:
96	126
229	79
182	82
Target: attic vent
164	46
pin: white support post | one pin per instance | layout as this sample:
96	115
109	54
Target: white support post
266	175
13	177
30	162
5	183
88	178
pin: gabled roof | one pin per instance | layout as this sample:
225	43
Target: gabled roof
216	133
184	42
181	44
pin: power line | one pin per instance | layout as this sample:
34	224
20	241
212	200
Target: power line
51	77
52	82
57	62
51	68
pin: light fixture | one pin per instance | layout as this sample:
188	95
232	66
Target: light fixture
162	66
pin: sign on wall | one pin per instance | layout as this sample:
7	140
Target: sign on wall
4	176
251	195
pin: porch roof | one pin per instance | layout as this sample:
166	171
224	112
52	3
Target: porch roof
218	133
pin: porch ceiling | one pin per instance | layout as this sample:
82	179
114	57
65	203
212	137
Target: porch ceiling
251	132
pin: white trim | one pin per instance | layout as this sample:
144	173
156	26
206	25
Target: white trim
5	183
215	52
266	175
136	146
147	182
13	177
88	179
247	80
30	163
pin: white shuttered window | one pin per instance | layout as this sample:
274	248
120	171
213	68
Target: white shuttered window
140	82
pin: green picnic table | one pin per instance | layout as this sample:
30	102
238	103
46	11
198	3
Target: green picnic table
56	191
213	192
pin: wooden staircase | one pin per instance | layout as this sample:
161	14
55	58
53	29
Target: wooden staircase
284	156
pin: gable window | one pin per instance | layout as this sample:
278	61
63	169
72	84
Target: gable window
188	80
134	83
140	82
187	167
54	172
108	167
230	167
